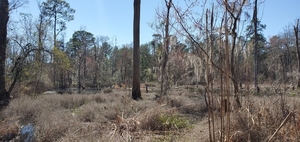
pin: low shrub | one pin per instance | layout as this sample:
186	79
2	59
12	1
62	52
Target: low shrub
108	90
172	122
99	99
73	101
52	126
163	120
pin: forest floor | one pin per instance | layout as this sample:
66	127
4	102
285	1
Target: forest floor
111	115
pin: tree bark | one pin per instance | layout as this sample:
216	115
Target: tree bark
136	91
296	30
79	85
164	76
255	47
227	70
235	18
4	96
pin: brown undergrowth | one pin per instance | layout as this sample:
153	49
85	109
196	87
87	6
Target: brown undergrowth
179	116
109	116
267	118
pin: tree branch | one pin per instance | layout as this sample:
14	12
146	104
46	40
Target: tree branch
195	41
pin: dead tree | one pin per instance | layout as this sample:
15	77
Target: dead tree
235	10
296	30
255	21
136	92
4	96
164	77
209	71
227	70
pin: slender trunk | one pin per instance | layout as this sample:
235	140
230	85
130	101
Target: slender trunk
164	76
54	45
136	82
4	96
296	30
96	68
234	37
221	84
84	64
255	47
227	66
79	81
207	87
288	56
211	68
233	73
54	31
40	44
209	74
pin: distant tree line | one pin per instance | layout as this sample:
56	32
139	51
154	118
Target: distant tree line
37	56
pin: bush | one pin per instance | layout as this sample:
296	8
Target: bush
172	122
52	126
263	116
163	121
108	90
87	115
73	102
99	99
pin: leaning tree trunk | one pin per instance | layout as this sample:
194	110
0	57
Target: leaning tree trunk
4	96
136	91
235	15
296	30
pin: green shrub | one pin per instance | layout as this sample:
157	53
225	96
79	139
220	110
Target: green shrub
172	122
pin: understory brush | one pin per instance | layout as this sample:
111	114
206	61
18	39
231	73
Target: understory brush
266	118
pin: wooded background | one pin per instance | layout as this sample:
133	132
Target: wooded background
36	57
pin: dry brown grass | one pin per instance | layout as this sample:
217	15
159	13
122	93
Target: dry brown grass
114	116
9	128
261	116
111	116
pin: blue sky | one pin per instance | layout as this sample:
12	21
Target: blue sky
114	18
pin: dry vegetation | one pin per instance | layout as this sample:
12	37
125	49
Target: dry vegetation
182	116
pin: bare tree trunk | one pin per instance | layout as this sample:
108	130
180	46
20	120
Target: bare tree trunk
54	45
255	47
55	23
288	64
209	73
4	96
84	63
221	84
232	65
227	66
296	30
207	87
136	91
235	15
79	80
40	43
211	68
95	81
164	76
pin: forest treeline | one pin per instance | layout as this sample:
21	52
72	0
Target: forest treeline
38	57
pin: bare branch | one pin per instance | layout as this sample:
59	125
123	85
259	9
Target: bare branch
15	4
190	36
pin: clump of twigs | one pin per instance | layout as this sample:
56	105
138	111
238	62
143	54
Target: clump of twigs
265	120
122	128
